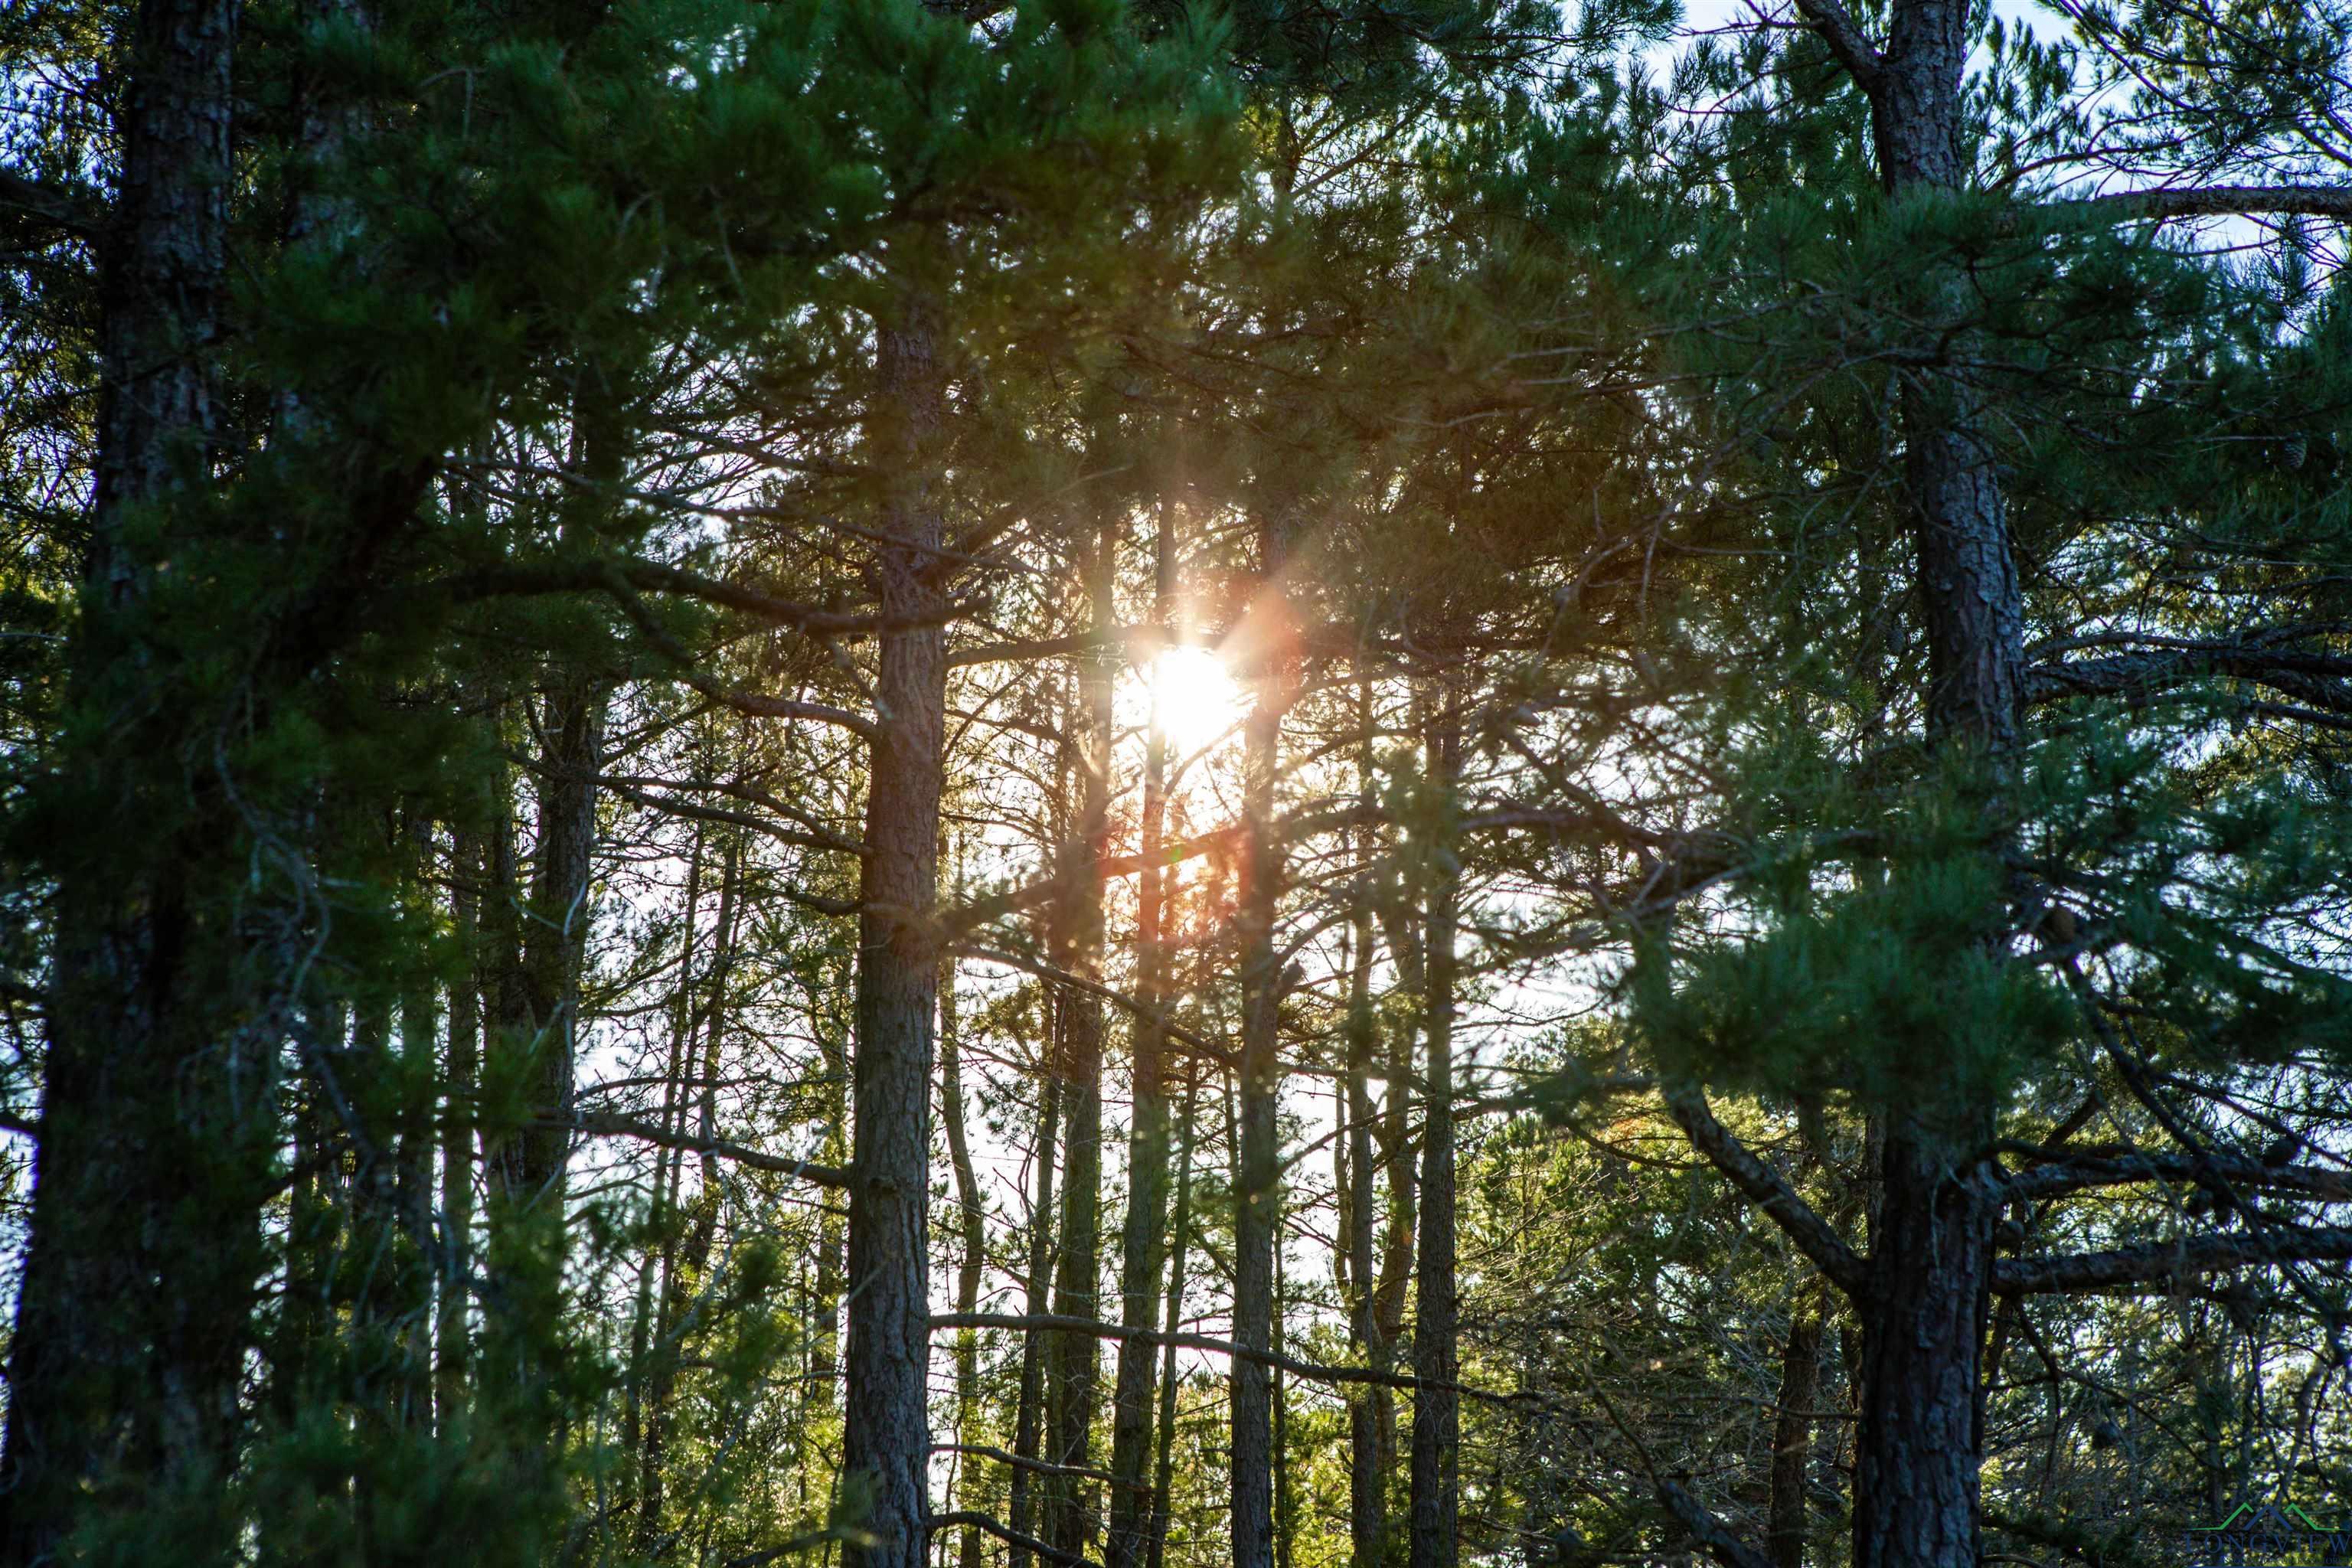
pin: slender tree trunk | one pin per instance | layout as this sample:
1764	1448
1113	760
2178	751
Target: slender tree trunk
1436	1409
1286	1490
525	1166
657	1280
1793	1433
973	1221
1256	1192
1180	1229
1143	1240
452	1334
1076	1361
1367	1406
1032	1349
134	1313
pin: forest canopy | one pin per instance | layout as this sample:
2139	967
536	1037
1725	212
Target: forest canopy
1291	782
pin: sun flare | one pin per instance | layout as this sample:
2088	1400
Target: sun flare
1197	699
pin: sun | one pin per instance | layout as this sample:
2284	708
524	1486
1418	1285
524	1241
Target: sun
1198	700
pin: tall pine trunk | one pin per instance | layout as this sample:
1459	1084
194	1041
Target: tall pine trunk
888	1436
1031	1396
1367	1476
134	1310
1163	1474
1919	1449
1143	1239
972	1223
1437	1408
1257	1190
452	1333
1074	1362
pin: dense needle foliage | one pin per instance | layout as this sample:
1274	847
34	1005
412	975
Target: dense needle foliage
1139	783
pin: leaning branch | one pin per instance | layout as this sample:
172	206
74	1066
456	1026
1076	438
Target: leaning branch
1316	1371
611	1125
1846	41
938	1521
1765	1189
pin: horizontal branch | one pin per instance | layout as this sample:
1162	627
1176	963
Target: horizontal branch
2217	201
988	1522
1314	1371
1041	1467
58	206
2069	1172
2182	1259
1764	1187
2319	681
1134	1006
611	1124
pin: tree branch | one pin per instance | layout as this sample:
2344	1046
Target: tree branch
611	1124
1846	41
2181	1259
1706	1530
58	206
1003	1532
1314	1371
2070	1171
1763	1186
2216	201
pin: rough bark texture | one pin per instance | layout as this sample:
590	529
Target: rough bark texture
1792	1435
1919	1447
887	1448
134	1312
1436	1409
1918	1444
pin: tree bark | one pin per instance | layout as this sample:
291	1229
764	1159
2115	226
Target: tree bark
1437	1408
134	1310
1027	1411
1371	1410
887	1451
1257	1190
973	1226
1143	1239
1919	1446
452	1333
1074	1362
1164	1467
1792	1434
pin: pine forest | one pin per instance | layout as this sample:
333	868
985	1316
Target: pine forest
1127	783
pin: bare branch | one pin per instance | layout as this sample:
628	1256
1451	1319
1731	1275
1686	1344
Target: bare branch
1763	1186
2182	1259
1314	1371
1003	1532
2217	201
611	1125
